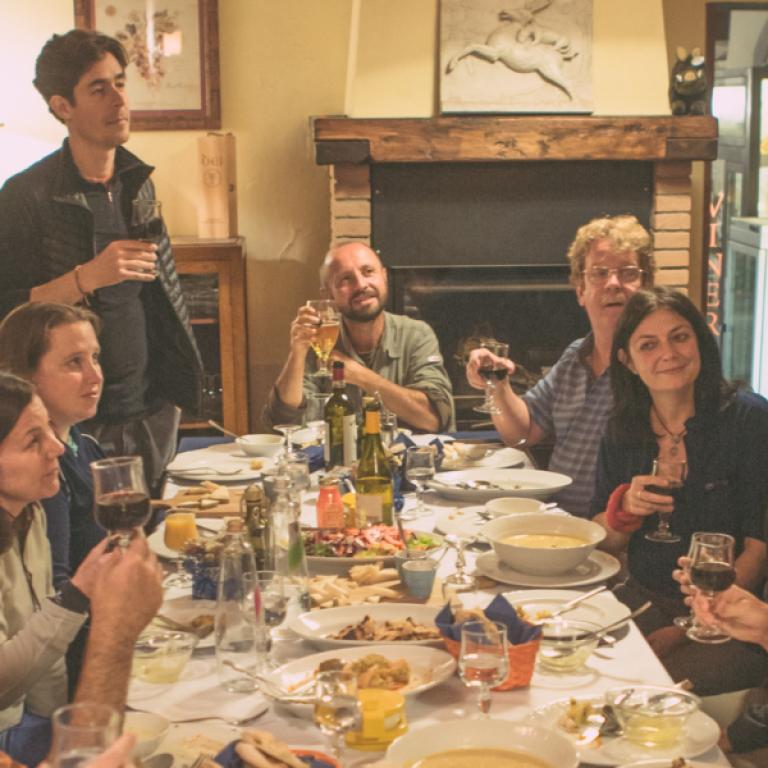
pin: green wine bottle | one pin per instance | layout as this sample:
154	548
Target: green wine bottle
374	476
340	423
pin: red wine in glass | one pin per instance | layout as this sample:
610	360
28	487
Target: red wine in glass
712	577
122	510
674	489
488	373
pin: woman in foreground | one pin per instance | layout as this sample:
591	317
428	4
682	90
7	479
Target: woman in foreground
673	404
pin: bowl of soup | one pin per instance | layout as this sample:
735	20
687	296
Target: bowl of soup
261	445
487	743
542	545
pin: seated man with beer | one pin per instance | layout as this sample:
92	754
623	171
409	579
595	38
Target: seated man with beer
393	355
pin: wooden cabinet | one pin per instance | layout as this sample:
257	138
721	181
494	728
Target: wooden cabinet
212	274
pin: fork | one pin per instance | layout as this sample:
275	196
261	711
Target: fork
202	468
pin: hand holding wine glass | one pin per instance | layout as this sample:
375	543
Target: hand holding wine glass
673	473
713	570
483	658
420	469
337	708
122	497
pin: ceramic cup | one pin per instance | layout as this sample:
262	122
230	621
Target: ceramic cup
419	577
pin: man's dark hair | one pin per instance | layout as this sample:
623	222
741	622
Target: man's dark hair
630	420
66	58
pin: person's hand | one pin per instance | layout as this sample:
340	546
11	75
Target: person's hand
121	260
304	329
663	641
89	571
354	373
683	577
129	591
639	501
481	358
735	611
724	742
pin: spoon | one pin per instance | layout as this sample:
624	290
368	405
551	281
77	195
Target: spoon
565	607
222	429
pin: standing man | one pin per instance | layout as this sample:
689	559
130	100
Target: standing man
64	236
394	355
610	259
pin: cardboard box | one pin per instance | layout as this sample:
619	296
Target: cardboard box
217	204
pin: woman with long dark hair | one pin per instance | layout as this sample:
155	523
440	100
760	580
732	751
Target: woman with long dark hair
673	405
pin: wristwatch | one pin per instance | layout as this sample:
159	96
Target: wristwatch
71	598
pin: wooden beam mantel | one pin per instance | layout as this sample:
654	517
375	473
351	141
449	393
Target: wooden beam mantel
499	139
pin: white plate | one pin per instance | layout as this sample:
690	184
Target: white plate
534	483
602	609
429	666
157	540
663	764
465	522
217	463
599	566
185	609
497	458
341	565
316	626
701	733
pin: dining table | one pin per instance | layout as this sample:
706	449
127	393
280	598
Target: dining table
627	662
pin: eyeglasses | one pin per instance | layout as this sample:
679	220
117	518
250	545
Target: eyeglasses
600	275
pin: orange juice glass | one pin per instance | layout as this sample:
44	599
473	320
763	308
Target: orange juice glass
180	527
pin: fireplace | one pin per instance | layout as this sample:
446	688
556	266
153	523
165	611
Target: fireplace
473	215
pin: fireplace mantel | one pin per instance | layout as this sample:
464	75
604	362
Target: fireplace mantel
514	138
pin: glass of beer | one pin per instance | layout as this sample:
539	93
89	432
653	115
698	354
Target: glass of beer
327	332
180	527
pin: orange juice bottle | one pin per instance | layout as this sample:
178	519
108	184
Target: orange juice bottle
179	529
330	508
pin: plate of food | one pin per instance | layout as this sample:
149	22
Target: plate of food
335	550
581	720
480	485
412	624
458	455
395	667
223	463
539	604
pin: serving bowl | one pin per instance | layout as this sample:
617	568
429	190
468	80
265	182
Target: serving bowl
160	657
566	644
653	716
548	746
518	505
260	445
150	729
550	553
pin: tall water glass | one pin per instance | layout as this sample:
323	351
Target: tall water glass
269	587
81	732
314	416
483	658
420	469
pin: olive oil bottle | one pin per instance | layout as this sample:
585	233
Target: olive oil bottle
374	476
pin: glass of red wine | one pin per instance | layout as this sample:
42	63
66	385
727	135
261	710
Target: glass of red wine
492	371
674	472
713	570
483	658
122	498
147	221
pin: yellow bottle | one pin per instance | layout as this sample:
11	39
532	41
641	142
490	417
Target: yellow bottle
374	476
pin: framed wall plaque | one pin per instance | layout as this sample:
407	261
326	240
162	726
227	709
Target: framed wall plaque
173	55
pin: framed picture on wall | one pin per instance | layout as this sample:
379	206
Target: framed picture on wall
173	58
516	56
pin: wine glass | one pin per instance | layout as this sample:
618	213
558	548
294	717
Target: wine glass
268	588
420	468
314	415
492	373
337	708
483	658
122	498
180	527
713	570
675	472
287	430
82	732
327	332
147	220
459	581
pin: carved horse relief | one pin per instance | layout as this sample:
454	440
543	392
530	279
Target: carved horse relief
524	45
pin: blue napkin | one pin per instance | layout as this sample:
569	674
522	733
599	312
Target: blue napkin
316	457
499	609
228	758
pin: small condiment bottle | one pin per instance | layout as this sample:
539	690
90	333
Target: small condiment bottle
330	507
383	720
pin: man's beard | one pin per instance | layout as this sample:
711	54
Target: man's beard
365	315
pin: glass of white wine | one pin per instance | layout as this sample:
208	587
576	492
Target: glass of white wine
337	708
483	658
327	333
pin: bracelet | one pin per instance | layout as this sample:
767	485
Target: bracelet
85	296
616	516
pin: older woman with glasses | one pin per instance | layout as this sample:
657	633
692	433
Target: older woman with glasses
673	407
610	259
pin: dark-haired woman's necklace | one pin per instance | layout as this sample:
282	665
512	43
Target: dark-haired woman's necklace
675	437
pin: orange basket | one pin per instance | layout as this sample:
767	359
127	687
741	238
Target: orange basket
522	660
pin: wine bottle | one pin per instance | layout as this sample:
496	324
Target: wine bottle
374	476
340	423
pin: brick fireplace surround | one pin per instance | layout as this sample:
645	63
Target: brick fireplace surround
350	146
